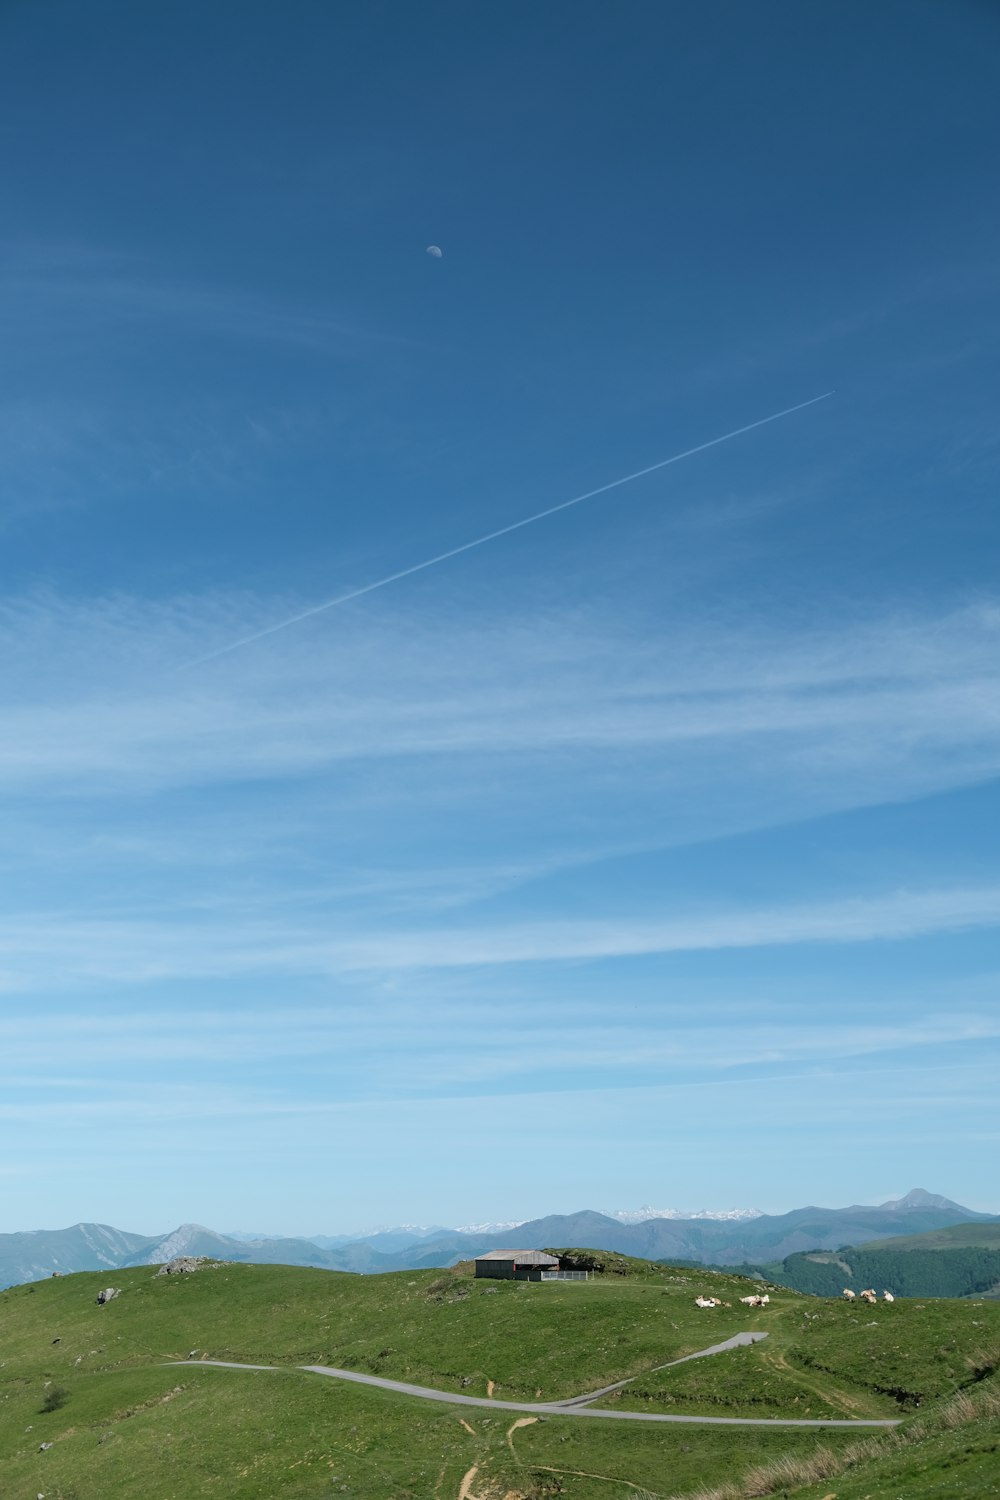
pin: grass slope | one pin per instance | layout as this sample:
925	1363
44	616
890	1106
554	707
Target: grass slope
955	1237
532	1341
949	1454
128	1425
824	1358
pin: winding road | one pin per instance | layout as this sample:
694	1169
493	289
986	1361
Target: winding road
574	1406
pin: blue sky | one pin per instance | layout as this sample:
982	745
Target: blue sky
645	854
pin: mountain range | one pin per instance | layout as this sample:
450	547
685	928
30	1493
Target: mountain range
752	1237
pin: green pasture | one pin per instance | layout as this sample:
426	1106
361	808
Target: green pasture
94	1383
826	1358
167	1434
533	1340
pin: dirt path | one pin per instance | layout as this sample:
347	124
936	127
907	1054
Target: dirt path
550	1469
521	1422
839	1399
586	1474
465	1489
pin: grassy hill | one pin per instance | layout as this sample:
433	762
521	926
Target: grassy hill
94	1383
955	1237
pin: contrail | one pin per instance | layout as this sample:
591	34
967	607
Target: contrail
491	536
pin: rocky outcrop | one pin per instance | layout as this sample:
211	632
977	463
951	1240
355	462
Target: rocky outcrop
183	1265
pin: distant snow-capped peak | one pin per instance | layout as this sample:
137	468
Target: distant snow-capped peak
640	1215
627	1216
421	1230
500	1227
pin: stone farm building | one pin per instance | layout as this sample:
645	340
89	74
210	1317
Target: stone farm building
516	1265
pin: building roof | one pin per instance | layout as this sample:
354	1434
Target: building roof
523	1257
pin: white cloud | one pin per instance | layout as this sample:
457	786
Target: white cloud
70	293
887	705
271	816
392	1051
906	914
58	949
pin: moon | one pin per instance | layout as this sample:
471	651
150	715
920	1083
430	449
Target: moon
435	251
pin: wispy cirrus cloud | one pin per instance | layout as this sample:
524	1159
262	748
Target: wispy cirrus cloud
69	292
337	1043
44	949
886	918
92	695
338	773
104	387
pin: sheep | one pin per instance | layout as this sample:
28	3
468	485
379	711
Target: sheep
848	1294
888	1297
704	1302
869	1296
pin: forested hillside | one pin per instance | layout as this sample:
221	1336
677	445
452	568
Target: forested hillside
965	1272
